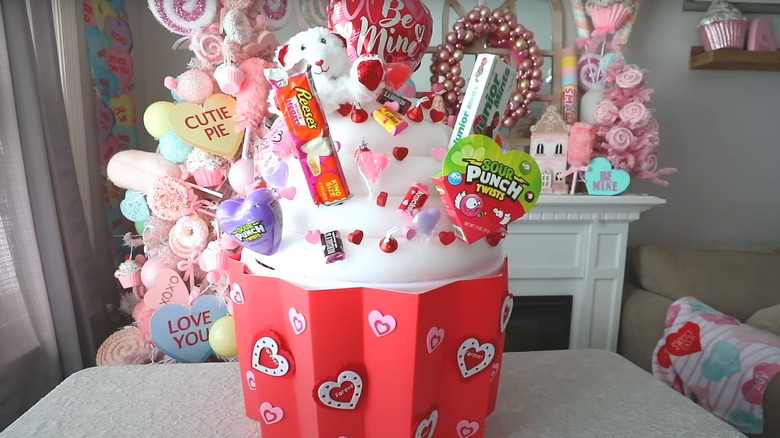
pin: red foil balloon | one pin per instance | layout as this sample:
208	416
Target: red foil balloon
398	31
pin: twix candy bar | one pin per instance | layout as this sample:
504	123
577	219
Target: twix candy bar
297	99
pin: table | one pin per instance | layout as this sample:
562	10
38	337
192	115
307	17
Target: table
572	393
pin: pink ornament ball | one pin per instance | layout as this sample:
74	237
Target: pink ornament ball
242	176
150	269
193	86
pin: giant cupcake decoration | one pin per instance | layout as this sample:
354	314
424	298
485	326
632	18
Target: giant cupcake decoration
723	26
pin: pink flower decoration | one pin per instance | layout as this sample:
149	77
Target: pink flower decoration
629	78
605	113
633	113
620	138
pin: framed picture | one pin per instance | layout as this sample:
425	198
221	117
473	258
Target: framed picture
748	7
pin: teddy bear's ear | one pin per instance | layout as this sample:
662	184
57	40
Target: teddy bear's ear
282	54
343	40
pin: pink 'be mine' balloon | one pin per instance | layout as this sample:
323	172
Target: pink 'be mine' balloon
396	31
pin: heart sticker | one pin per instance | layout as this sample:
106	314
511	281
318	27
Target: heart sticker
684	341
344	393
134	207
297	320
271	414
506	311
250	380
602	179
671	315
484	188
182	333
381	324
168	288
494	371
720	319
313	236
434	338
254	222
466	428
663	357
269	359
210	127
236	294
474	357
427	426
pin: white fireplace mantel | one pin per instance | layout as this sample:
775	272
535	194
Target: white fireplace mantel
576	245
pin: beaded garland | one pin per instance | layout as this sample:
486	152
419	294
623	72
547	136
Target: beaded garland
501	30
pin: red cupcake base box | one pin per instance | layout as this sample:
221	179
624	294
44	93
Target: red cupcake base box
363	362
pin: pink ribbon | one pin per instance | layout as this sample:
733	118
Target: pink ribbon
187	267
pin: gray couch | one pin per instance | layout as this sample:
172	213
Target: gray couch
737	283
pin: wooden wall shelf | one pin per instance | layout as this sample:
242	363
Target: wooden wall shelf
733	59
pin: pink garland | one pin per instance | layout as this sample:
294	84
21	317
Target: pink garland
627	132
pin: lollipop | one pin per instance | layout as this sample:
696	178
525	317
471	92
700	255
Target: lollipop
184	17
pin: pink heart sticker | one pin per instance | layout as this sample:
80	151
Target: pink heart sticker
494	371
271	414
466	428
168	288
382	325
720	319
297	320
671	315
439	153
286	192
434	338
312	236
393	106
250	380
753	390
236	294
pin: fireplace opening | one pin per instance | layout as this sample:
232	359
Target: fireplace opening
539	323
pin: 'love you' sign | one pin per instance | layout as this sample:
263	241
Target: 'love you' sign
183	333
210	127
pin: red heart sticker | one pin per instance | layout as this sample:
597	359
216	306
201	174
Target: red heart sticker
685	341
400	152
663	357
446	237
355	237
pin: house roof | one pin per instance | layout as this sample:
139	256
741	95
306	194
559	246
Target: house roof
550	123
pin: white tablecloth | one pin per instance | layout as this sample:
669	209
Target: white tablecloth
573	393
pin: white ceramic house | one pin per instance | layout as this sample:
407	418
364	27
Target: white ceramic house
549	145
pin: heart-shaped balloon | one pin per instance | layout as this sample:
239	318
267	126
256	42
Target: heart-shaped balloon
255	222
367	26
426	220
134	206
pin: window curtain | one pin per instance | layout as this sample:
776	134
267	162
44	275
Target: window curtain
52	310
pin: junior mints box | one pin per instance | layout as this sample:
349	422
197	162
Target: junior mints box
486	98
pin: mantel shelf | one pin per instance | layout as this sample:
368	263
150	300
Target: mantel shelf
734	59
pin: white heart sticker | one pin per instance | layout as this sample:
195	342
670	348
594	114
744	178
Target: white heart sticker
427	426
506	311
344	393
474	357
266	358
236	294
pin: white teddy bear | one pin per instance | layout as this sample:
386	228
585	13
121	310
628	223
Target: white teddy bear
337	80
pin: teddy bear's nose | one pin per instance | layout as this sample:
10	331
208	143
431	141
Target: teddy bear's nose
319	63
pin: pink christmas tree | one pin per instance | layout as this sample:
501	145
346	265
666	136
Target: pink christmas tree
627	132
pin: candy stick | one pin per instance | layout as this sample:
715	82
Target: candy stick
581	20
569	85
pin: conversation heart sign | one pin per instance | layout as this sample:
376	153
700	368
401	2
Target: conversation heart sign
210	127
602	179
484	189
183	333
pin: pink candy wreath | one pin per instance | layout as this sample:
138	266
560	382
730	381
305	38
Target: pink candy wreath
501	30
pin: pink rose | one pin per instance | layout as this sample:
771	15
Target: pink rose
629	78
633	113
620	138
605	113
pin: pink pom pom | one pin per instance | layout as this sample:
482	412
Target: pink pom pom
582	139
143	317
252	97
170	82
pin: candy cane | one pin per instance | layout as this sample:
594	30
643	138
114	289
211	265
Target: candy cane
583	28
184	16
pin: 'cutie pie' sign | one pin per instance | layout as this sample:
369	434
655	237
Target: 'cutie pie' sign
210	127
